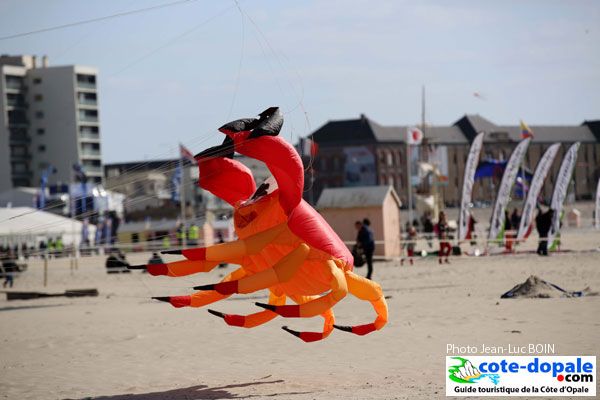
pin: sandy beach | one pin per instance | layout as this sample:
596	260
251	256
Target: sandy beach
122	345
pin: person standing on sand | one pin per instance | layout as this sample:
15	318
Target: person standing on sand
515	218
543	222
411	237
366	241
427	227
441	229
508	232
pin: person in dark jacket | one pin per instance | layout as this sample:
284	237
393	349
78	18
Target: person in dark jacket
515	218
442	229
116	263
365	240
543	222
509	235
428	228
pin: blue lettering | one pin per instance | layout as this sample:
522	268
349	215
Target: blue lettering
545	367
483	366
533	366
557	367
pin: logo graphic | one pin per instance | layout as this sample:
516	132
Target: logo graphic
466	372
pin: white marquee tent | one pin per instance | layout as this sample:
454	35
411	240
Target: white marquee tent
28	225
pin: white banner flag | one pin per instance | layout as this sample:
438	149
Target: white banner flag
506	185
541	171
563	179
467	190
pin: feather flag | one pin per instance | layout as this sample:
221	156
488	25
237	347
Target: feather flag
506	185
541	171
468	181
561	187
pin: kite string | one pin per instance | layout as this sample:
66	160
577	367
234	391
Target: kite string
88	21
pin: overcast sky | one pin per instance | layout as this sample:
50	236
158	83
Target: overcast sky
173	74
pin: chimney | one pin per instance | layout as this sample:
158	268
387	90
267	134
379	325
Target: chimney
45	61
33	62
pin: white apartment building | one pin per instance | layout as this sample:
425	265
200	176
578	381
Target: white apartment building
48	117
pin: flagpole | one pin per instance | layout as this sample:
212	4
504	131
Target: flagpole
182	197
409	181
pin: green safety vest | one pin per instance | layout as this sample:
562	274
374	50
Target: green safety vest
194	232
166	242
181	234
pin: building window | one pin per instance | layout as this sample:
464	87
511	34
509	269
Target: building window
37	81
41	148
390	159
41	131
38	97
39	114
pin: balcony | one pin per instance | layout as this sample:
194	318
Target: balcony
19	137
87	99
15	100
87	102
20	156
14	82
87	82
88	116
90	153
84	136
93	170
17	117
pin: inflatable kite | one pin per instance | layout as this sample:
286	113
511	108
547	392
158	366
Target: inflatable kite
283	244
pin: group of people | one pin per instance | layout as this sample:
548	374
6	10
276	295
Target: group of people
365	242
441	230
53	247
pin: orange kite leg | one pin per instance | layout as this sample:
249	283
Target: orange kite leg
368	290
